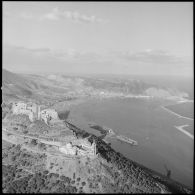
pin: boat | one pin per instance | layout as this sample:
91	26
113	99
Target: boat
127	140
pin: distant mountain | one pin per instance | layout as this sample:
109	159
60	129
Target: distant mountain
53	88
136	87
15	84
33	87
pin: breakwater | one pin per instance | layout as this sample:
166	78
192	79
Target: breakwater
174	113
127	140
181	128
131	168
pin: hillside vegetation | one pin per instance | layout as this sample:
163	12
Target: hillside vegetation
31	160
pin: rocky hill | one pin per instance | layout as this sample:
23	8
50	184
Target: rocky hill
55	88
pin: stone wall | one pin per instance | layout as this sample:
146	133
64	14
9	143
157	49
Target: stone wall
34	111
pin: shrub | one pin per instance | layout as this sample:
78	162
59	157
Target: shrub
45	172
83	183
25	131
63	115
41	146
34	142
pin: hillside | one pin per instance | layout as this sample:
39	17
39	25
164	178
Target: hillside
109	172
31	163
34	87
15	84
57	88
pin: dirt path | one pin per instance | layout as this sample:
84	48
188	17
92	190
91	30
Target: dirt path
56	154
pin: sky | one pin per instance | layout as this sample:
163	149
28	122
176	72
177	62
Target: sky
151	38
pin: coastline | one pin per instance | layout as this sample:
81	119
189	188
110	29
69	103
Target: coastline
123	163
181	128
123	148
174	113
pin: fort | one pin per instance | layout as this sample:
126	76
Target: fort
34	111
80	147
71	146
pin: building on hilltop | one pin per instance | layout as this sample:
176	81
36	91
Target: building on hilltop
81	147
68	149
86	146
34	111
30	109
48	114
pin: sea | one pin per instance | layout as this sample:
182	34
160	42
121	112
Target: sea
161	145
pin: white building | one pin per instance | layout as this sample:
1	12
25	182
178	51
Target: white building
34	111
30	109
68	149
80	147
86	147
48	114
19	107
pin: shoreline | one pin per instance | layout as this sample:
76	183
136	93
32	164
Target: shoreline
181	128
117	132
159	177
174	113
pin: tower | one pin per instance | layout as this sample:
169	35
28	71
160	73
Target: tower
94	148
38	112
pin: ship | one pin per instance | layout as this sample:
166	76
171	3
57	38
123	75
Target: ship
127	140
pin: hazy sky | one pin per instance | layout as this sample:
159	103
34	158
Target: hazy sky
99	37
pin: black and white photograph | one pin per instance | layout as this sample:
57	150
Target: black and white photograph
97	97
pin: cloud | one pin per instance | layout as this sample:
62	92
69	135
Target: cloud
57	14
153	56
46	59
22	59
22	15
35	50
30	59
59	55
54	15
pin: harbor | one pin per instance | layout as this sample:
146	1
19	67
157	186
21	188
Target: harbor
127	140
